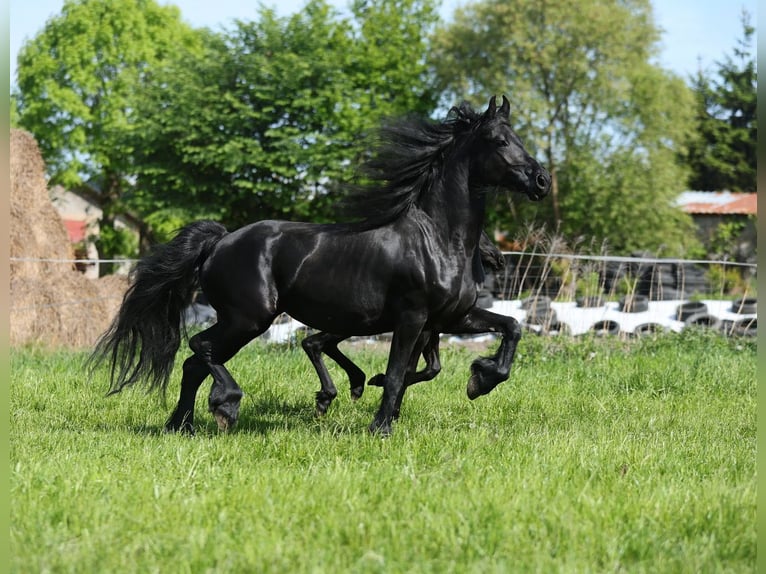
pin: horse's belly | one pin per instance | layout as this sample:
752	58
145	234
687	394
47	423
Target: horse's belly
340	319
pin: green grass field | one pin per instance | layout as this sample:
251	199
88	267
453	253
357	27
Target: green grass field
598	455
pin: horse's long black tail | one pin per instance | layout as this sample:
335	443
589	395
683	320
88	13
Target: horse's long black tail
143	339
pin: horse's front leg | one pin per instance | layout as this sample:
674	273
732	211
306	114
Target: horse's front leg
432	367
403	343
430	351
488	372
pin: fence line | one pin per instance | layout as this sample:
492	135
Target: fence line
86	261
625	259
572	256
520	278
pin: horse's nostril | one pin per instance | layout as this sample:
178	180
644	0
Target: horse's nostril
542	181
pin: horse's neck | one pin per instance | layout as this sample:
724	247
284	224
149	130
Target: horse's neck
458	214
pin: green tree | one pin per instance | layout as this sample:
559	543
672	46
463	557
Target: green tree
586	97
224	133
723	153
269	119
76	86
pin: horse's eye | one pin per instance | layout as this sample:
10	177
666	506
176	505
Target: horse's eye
502	143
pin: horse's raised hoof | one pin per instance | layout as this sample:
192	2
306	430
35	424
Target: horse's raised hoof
473	390
378	380
356	392
484	377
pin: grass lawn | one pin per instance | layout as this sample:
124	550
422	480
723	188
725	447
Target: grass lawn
597	455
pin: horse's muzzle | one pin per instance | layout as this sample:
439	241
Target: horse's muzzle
540	185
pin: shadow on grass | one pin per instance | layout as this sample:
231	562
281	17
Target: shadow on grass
262	415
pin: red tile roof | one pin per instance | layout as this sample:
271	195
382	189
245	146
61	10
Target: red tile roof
718	203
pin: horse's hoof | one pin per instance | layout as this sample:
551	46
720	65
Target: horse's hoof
473	390
180	424
226	416
356	392
224	422
383	430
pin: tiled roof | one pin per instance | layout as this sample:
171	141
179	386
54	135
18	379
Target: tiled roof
718	203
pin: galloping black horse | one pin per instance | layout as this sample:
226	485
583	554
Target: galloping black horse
406	266
428	345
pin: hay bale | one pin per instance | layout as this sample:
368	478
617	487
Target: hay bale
36	230
51	302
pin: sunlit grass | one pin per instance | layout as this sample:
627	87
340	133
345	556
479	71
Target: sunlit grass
597	455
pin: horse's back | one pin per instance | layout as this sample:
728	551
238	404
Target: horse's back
326	275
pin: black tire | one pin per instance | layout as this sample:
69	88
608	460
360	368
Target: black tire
745	306
689	309
605	327
557	328
703	320
544	318
634	304
536	302
648	329
746	327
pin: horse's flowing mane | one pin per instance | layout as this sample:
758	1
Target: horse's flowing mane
406	165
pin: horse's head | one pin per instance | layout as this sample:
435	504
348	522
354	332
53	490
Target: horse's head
499	158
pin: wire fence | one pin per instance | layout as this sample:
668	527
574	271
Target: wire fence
554	293
566	277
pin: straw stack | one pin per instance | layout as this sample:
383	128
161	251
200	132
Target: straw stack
51	303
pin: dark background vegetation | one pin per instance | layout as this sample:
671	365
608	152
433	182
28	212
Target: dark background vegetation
270	118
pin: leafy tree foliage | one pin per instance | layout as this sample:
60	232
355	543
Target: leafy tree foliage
76	82
268	120
587	98
723	155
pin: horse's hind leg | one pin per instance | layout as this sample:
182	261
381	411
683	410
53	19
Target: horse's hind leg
215	346
313	345
194	373
356	376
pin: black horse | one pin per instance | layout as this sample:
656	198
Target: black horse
317	344
406	266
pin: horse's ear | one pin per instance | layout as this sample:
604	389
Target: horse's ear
505	109
492	109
